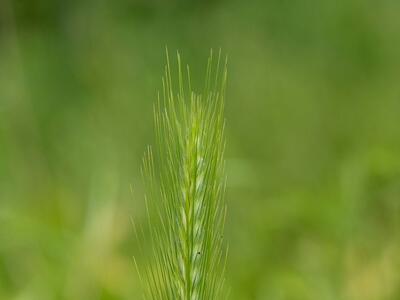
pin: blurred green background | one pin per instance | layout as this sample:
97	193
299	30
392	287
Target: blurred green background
313	132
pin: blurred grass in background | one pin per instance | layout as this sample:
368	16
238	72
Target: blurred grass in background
313	130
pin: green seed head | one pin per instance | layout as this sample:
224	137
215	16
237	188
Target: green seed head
186	188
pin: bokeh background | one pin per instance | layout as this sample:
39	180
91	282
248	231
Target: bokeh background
313	153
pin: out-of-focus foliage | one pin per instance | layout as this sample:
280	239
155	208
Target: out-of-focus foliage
313	153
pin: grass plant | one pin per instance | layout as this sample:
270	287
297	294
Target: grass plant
185	185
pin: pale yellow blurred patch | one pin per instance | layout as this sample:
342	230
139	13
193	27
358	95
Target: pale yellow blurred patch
372	278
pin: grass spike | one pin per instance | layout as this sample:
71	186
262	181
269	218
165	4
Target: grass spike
185	188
